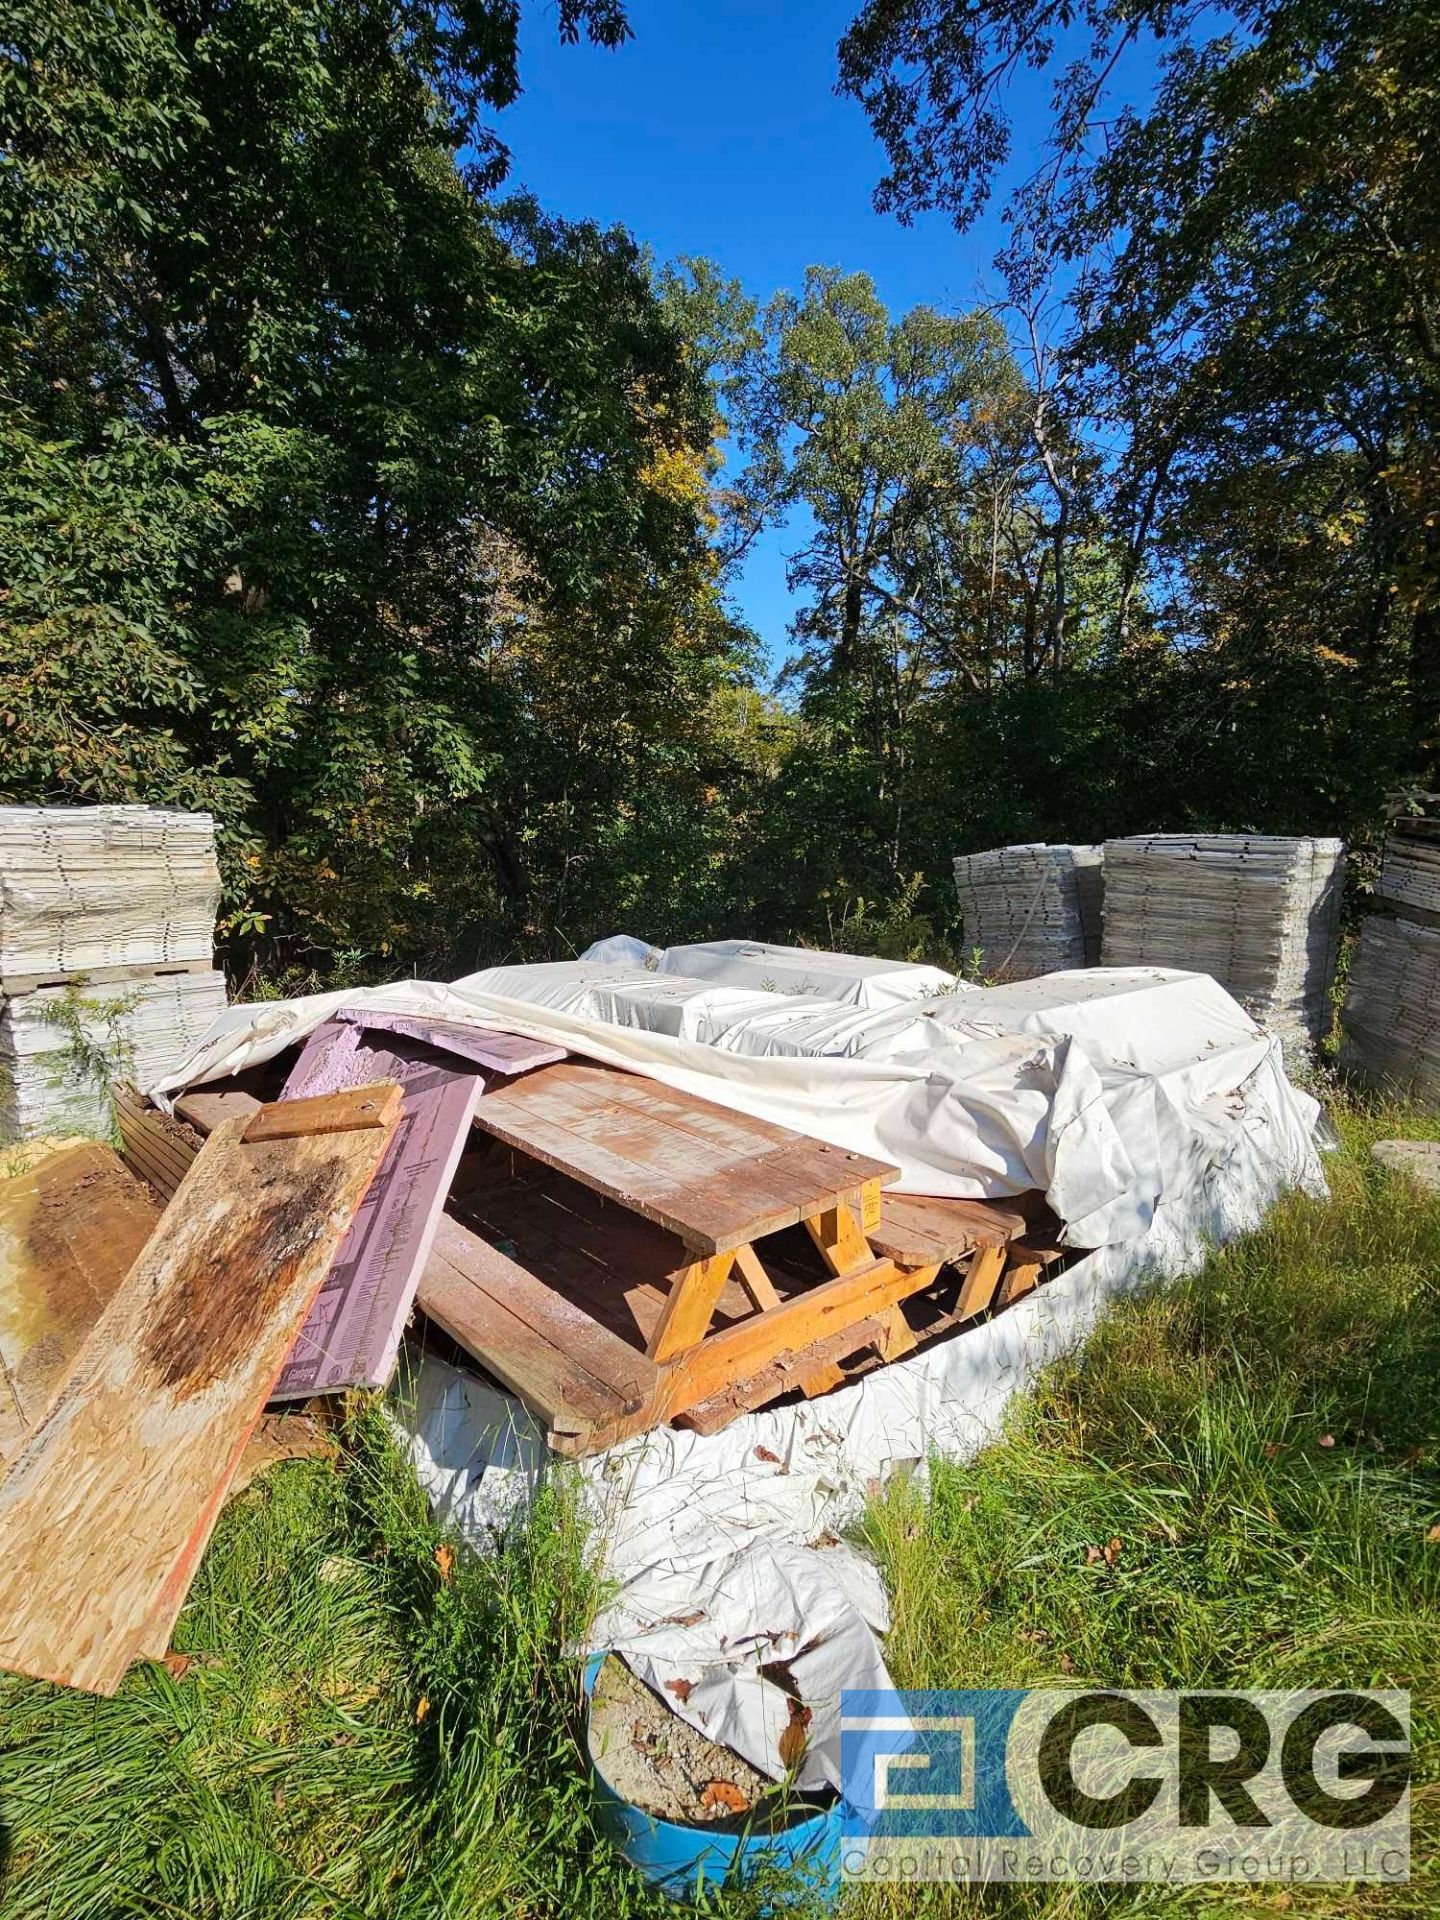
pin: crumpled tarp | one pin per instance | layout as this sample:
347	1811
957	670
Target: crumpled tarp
1112	1093
854	980
1152	1111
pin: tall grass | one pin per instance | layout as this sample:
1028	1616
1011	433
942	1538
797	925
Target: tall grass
371	1724
1264	1444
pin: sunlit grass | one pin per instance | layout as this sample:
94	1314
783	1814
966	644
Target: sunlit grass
366	1729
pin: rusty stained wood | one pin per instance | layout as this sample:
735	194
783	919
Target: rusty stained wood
714	1177
107	1507
73	1221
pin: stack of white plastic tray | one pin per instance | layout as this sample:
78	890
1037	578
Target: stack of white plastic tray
1392	1000
1031	909
107	926
1260	913
91	889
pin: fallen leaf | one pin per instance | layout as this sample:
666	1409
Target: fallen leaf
682	1689
1067	1665
796	1737
1433	1536
1412	1456
764	1453
1273	1449
445	1561
1113	1549
683	1619
1327	1440
422	1710
720	1793
1093	1555
177	1665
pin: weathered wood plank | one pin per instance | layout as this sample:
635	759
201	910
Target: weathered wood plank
916	1230
152	1144
73	1221
352	1334
717	1179
106	1508
567	1368
785	1374
374	1104
205	1107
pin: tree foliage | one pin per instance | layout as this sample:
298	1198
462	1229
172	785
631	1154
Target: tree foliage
336	495
1255	256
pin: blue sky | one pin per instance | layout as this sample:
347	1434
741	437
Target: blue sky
716	130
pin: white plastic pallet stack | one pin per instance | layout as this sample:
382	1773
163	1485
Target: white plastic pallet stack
107	923
1031	909
1392	1003
1260	913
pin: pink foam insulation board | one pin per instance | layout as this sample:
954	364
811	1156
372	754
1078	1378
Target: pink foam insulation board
353	1333
501	1052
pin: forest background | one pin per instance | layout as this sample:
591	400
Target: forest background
366	502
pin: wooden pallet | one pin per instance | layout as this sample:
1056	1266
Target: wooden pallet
14	985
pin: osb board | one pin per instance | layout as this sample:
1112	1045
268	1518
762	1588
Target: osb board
73	1221
107	1507
714	1177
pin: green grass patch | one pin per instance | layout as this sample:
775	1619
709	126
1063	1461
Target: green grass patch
1260	1447
366	1729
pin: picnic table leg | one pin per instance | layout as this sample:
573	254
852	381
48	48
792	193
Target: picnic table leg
839	1234
689	1306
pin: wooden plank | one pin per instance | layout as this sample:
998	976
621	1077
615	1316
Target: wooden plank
376	1106
106	1508
506	1053
14	985
688	1309
73	1221
787	1372
977	1289
714	1177
562	1364
352	1334
917	1230
735	1352
205	1107
152	1144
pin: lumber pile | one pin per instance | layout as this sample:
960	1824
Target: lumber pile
1391	1021
1032	909
1259	913
615	1253
107	918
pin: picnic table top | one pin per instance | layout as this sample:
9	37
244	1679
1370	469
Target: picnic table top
716	1178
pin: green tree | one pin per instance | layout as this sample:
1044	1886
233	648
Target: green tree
312	451
1257	305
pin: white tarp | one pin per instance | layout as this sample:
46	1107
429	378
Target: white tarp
1113	1099
1151	1110
855	980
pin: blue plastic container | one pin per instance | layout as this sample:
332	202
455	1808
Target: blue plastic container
683	1860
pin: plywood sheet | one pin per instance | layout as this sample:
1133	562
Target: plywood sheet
107	1506
352	1334
73	1221
714	1177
